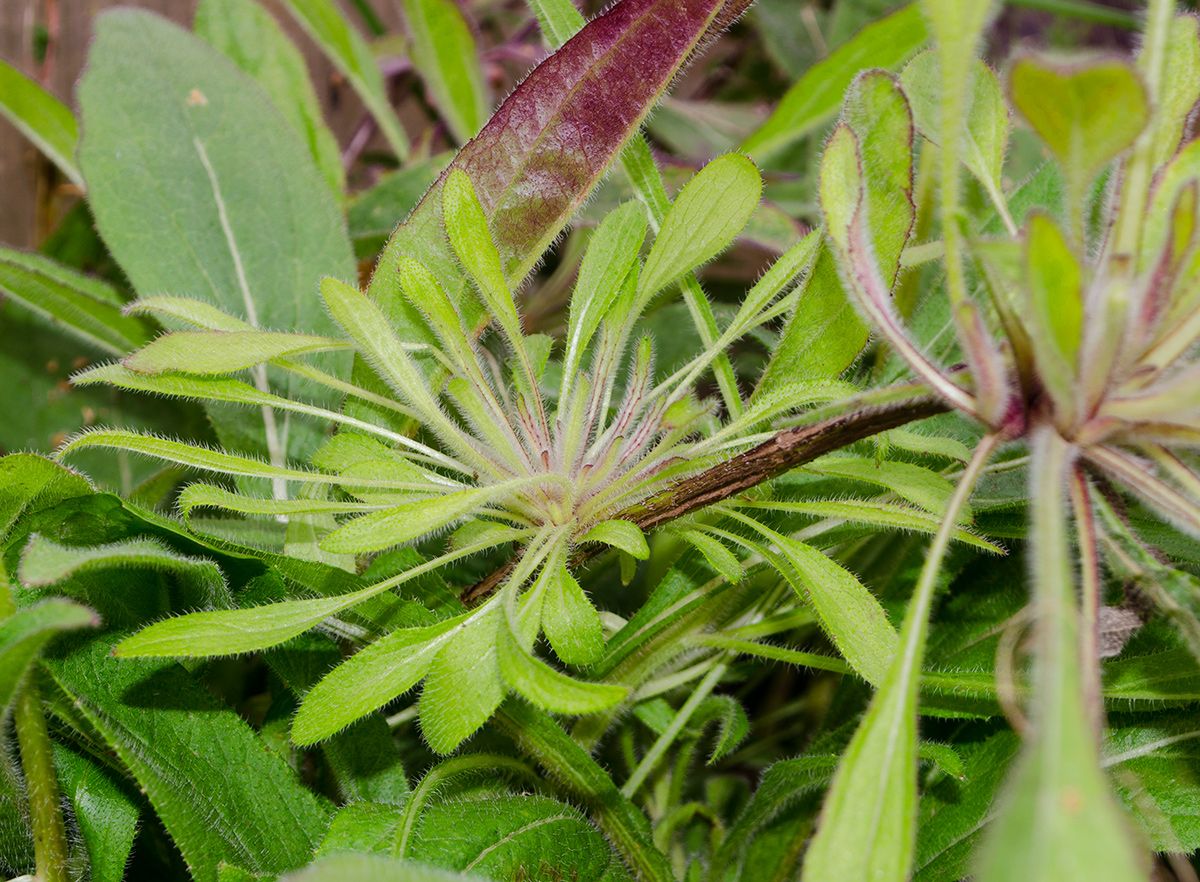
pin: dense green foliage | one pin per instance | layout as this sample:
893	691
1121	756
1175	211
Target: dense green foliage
581	540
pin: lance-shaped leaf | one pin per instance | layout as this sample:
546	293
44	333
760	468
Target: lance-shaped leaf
464	685
817	95
1054	283
624	535
444	53
370	679
404	523
547	146
704	219
844	203
572	624
25	632
549	689
1179	90
253	40
86	308
41	118
223	352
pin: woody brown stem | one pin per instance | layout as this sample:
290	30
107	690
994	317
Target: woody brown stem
787	450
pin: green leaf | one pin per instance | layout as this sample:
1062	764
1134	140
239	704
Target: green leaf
878	113
403	523
248	35
917	484
549	689
847	611
41	118
511	836
464	684
261	818
720	558
350	54
702	222
1055	291
183	155
444	53
106	812
372	215
985	135
732	723
223	352
370	679
1178	92
816	96
611	255
25	632
44	563
624	535
1086	113
467	229
85	308
26	478
374	868
572	624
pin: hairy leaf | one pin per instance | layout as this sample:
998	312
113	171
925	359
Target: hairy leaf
25	632
41	118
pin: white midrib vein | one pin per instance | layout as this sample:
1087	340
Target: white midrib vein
274	444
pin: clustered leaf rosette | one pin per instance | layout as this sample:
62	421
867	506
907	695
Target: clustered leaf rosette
478	440
1077	334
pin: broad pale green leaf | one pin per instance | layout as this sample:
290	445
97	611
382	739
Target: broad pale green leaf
572	624
261	818
185	161
41	118
1086	113
464	684
917	484
106	813
703	220
985	135
514	836
374	868
350	54
816	97
24	633
624	535
548	688
223	352
444	53
85	308
370	679
251	38
44	563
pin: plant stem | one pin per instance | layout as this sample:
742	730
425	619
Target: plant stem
650	760
41	785
536	733
1090	608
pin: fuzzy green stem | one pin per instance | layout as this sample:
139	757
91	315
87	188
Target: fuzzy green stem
565	761
1090	607
41	786
652	757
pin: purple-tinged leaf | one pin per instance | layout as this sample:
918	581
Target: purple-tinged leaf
551	141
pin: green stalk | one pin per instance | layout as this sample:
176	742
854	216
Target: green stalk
652	757
41	786
537	734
